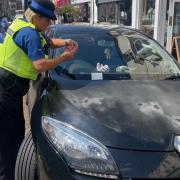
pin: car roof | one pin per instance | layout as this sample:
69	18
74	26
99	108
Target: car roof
97	28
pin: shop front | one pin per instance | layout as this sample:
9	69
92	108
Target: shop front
151	16
160	19
115	11
84	7
173	31
147	15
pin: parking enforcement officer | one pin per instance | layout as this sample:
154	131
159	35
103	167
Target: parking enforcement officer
22	57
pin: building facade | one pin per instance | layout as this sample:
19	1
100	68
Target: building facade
85	8
8	7
116	12
158	18
3	8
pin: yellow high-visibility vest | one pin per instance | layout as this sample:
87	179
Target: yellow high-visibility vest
12	57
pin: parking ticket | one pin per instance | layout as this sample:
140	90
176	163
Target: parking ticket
96	76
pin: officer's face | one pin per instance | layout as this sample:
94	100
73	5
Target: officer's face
42	23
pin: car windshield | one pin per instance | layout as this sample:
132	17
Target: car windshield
115	55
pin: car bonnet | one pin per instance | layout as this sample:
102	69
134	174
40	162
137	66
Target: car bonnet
142	115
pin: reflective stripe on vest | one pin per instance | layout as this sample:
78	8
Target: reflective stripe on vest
12	57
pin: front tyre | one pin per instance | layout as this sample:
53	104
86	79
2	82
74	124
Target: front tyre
25	168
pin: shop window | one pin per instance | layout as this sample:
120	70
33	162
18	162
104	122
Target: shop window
115	12
176	28
125	11
106	13
148	16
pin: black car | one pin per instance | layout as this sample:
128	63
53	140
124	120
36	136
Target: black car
112	112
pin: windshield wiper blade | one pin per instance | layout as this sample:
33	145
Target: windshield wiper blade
60	71
173	77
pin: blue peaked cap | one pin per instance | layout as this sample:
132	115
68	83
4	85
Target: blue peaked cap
43	7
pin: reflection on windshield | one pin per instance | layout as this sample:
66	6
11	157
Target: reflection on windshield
103	56
145	58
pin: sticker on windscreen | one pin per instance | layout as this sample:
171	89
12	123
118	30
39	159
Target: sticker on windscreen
106	43
102	68
96	76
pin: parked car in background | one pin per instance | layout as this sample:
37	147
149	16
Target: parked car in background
112	112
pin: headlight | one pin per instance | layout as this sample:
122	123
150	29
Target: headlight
83	153
177	143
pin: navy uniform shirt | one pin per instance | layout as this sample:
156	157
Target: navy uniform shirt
28	39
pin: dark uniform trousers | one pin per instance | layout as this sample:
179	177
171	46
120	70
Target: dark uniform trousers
12	126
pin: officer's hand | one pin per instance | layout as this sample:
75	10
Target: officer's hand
70	52
71	43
